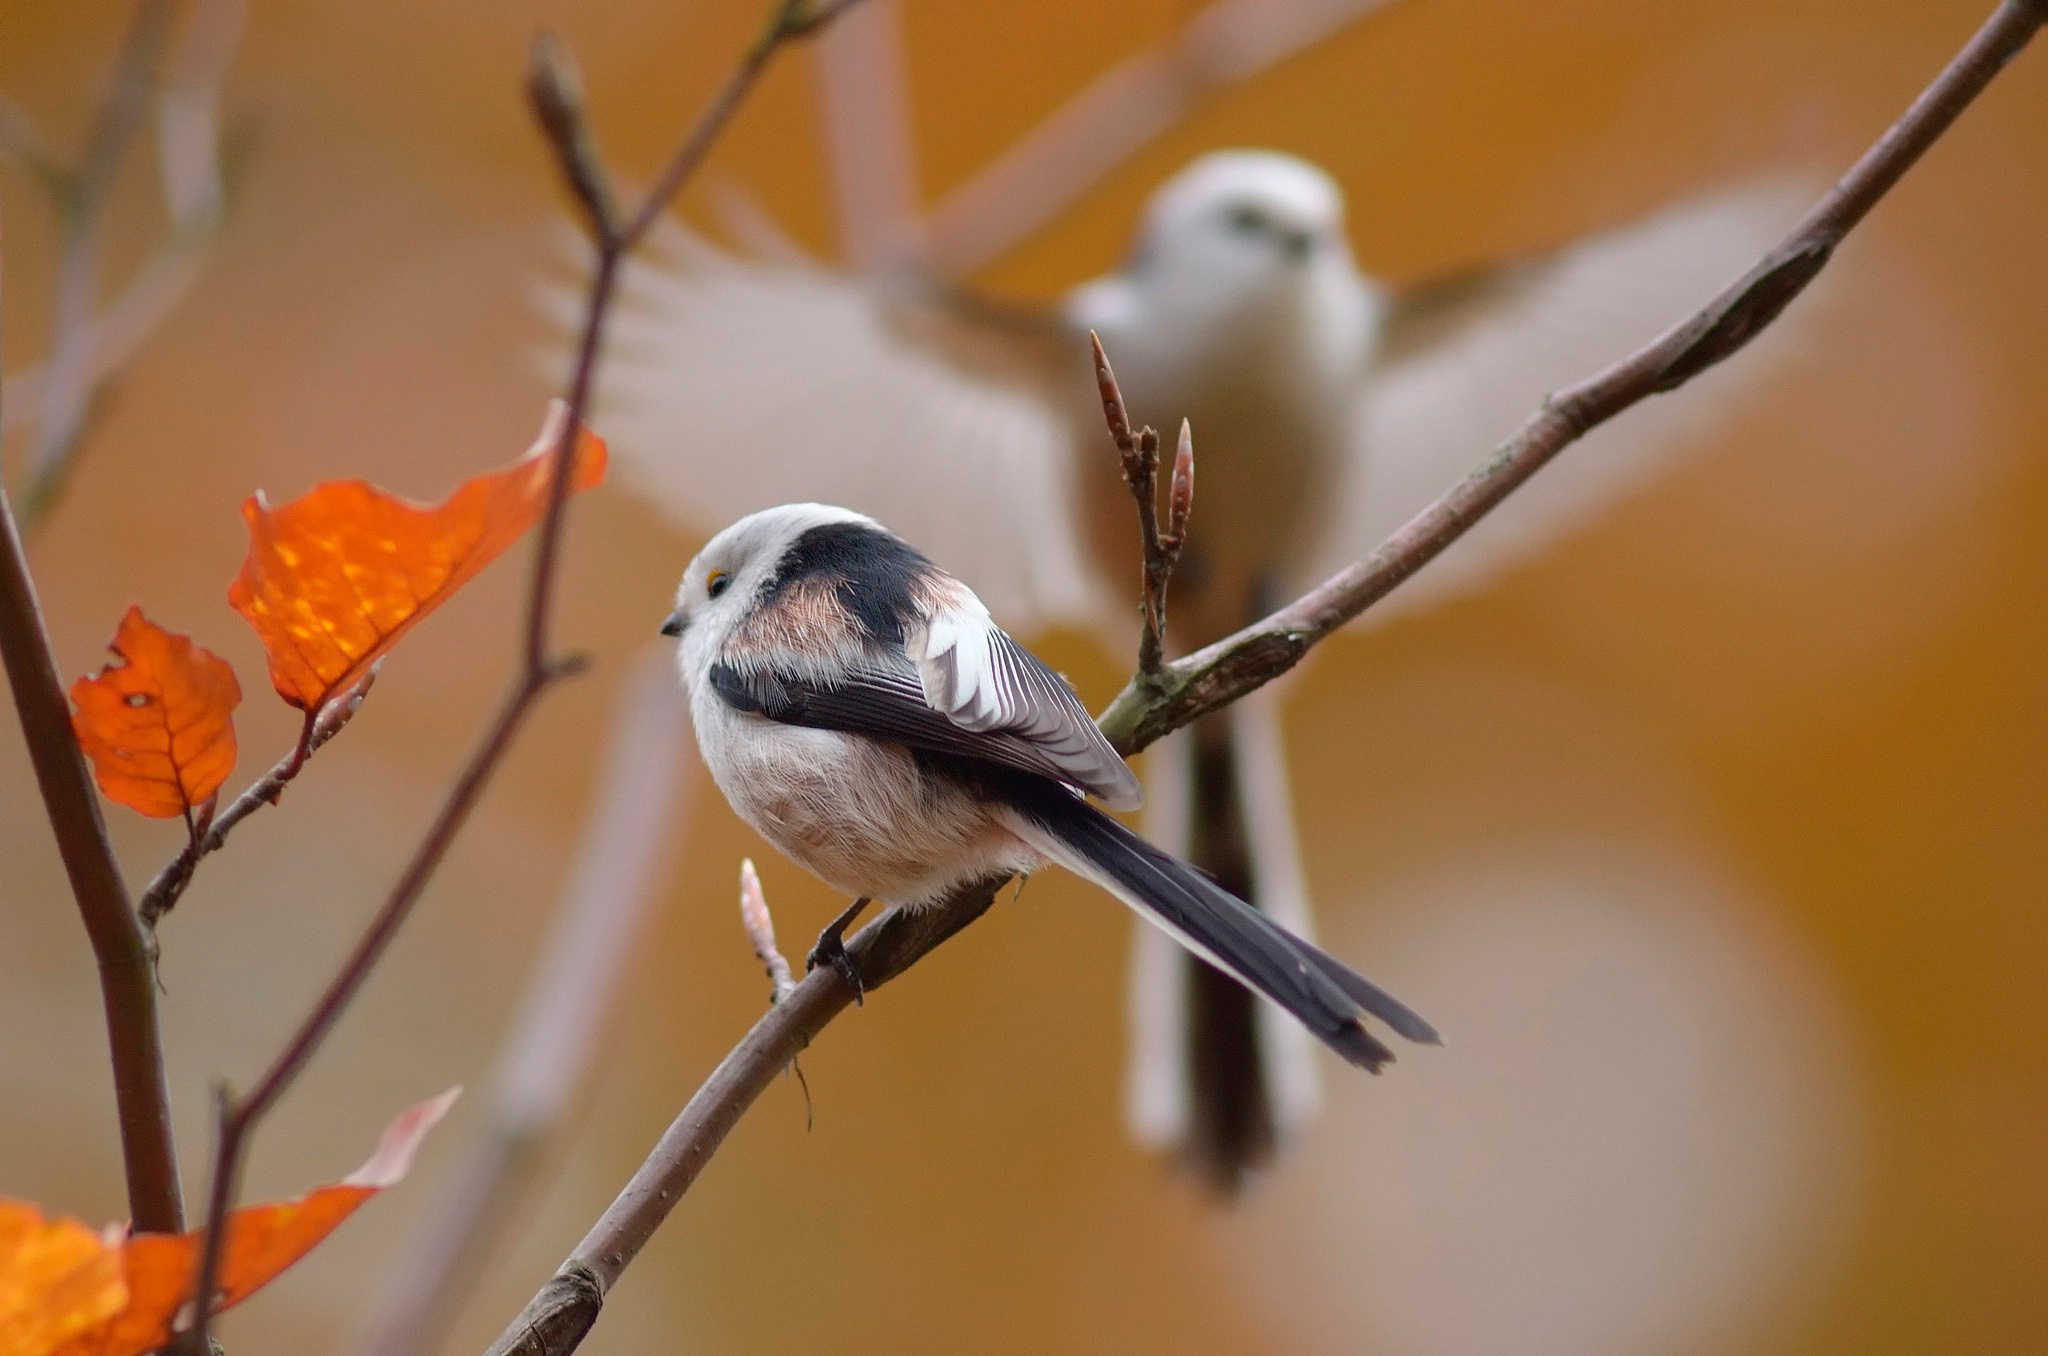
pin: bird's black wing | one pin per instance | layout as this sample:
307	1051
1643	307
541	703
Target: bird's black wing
881	702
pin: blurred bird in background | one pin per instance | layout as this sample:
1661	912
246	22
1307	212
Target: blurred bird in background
1327	409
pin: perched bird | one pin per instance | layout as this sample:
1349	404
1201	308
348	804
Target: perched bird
1327	408
861	710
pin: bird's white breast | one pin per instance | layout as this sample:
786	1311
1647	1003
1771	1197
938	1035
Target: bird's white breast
864	816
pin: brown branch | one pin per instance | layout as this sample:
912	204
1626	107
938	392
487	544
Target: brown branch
870	142
554	1322
67	391
1223	672
164	891
1139	453
1115	116
86	349
612	891
119	944
556	97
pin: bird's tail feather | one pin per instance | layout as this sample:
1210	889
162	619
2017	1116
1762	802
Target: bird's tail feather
1209	921
1213	1076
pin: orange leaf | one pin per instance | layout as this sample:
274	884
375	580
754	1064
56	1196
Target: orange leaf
57	1279
335	577
263	1240
159	725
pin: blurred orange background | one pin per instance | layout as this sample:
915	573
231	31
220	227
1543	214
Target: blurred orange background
1715	841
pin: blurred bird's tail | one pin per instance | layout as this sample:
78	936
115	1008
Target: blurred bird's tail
1216	1077
1243	951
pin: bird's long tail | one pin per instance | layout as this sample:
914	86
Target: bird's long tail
1215	1077
1319	991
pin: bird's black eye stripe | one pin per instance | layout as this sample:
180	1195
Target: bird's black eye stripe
718	583
1247	219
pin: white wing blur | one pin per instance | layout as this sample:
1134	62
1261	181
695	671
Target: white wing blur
730	385
1439	405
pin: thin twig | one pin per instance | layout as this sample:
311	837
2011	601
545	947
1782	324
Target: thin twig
1222	672
554	1322
760	926
164	891
556	96
1139	453
127	978
1116	115
85	349
613	888
67	392
870	144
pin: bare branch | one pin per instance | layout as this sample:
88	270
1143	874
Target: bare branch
1116	116
760	926
870	148
170	882
556	1319
127	977
543	1067
789	20
127	974
86	350
555	89
1140	457
1222	672
67	393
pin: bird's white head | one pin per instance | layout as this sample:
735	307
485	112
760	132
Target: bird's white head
1241	248
1244	221
735	569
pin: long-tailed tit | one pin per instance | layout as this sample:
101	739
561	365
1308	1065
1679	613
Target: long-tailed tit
1327	408
859	708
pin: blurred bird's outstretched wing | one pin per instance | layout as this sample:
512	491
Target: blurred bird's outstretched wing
1463	363
732	384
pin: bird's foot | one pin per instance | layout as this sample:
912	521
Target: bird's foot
831	950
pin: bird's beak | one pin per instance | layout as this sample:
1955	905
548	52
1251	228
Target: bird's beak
675	623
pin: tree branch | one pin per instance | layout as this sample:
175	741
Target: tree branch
543	1066
170	882
1233	666
1119	113
556	96
67	393
127	977
1139	454
86	350
554	1322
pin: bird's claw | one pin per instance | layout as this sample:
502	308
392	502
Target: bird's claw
831	950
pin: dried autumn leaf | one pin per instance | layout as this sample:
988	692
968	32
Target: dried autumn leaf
57	1279
159	725
335	577
263	1240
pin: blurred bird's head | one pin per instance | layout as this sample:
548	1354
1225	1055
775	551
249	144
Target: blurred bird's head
1246	221
1235	244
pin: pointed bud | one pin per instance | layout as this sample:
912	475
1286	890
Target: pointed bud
1180	500
1113	412
555	88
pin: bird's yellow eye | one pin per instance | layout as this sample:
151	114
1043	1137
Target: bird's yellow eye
717	582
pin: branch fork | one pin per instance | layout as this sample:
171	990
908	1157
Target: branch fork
1139	455
211	832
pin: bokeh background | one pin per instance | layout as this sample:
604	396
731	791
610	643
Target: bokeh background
1715	840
